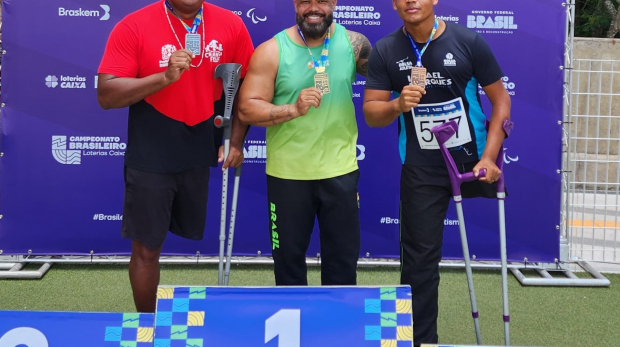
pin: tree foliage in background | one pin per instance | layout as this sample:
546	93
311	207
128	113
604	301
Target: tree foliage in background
597	18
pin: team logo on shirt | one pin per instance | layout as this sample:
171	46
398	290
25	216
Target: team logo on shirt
405	64
166	53
214	51
449	61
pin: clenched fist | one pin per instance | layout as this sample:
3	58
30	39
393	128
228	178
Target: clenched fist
410	97
307	98
179	62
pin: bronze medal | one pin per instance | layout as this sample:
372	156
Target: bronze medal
418	76
321	82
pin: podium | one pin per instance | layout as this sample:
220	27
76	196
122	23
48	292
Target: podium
283	316
230	316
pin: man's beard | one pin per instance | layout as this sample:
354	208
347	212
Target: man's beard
314	31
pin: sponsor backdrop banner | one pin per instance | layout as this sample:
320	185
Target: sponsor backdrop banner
62	166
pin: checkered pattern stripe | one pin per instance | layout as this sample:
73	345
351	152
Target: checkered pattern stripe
391	314
136	330
175	323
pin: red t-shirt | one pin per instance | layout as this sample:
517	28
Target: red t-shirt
140	45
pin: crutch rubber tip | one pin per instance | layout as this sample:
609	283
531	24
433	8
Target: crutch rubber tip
506	319
474	314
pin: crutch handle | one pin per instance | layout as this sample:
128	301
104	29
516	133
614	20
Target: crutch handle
470	176
443	133
230	74
507	125
221	122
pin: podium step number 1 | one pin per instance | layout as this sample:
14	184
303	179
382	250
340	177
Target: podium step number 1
286	324
284	316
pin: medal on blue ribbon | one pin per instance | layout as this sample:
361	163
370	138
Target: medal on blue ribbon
418	72
192	39
321	79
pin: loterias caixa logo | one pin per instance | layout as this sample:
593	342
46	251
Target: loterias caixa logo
70	150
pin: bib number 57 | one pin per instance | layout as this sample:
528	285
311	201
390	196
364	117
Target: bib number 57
427	125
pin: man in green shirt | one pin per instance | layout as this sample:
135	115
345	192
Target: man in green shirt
299	86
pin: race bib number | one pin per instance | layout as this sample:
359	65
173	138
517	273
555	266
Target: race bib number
426	117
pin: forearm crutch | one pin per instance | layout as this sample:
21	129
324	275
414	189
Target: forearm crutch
230	75
443	133
501	196
233	218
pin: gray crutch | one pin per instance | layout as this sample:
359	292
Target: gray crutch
230	74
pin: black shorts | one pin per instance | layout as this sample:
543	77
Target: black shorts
156	203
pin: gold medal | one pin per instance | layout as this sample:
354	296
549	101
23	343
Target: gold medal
418	76
321	82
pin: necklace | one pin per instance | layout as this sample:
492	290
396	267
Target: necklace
179	41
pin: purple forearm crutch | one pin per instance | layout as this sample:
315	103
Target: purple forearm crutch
501	195
443	133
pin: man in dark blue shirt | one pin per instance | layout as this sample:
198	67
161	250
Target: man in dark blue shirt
434	69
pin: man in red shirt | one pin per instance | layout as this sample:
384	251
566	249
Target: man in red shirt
160	62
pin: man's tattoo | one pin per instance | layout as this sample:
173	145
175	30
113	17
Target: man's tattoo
361	45
363	70
280	114
361	49
365	49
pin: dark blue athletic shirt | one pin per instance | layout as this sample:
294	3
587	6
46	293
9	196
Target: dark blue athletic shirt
456	62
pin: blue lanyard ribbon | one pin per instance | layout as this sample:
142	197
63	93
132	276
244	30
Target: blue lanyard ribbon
417	51
197	20
319	66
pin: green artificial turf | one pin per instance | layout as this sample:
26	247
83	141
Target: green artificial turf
541	316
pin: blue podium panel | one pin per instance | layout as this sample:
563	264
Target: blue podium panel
69	329
283	316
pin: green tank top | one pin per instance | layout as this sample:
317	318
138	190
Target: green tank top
322	144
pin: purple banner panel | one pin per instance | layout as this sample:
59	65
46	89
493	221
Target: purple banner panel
61	179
